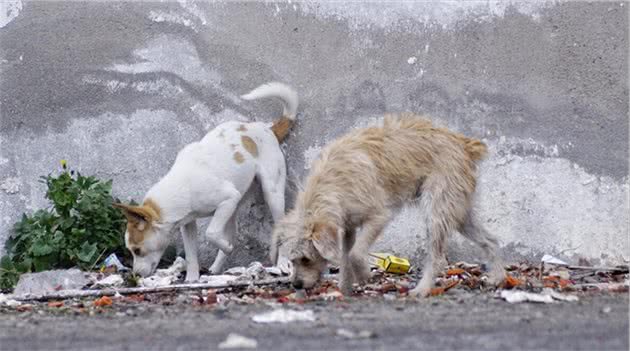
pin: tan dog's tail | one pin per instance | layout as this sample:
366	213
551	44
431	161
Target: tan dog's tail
475	148
290	102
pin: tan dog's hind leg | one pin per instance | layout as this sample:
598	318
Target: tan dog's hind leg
475	231
443	206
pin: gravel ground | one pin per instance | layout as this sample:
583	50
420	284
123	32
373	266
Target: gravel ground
457	320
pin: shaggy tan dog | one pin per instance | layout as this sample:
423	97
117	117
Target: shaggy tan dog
362	179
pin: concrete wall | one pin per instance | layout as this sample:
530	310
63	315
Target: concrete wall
118	88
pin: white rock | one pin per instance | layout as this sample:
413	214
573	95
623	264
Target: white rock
235	341
284	316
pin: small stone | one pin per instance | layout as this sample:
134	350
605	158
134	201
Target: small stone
236	341
606	310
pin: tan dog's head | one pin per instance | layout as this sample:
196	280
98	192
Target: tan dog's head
145	237
308	245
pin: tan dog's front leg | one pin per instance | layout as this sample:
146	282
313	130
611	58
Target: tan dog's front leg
347	274
370	231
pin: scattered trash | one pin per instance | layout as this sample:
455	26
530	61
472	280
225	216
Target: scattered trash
236	341
546	296
284	316
255	271
390	263
164	277
113	261
111	281
348	334
4	300
412	60
50	281
103	301
55	304
275	271
606	310
553	260
178	266
442	289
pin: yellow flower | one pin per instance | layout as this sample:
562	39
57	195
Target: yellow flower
64	163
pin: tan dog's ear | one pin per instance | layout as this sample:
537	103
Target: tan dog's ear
136	215
325	238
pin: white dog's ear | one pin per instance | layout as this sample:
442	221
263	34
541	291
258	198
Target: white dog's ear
325	238
136	215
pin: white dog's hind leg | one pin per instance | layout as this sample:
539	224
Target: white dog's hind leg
189	234
215	233
230	236
273	190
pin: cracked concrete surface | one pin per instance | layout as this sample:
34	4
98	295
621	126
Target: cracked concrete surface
117	88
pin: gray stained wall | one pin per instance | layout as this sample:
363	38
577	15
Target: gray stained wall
118	88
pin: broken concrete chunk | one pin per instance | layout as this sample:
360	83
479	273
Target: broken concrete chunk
50	281
217	279
7	301
546	296
349	334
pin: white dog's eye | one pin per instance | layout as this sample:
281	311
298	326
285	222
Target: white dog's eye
137	251
305	260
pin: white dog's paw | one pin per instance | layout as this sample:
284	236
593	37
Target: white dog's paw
192	276
285	265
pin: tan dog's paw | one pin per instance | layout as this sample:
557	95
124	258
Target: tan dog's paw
420	292
496	277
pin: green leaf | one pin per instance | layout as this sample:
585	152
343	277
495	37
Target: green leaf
87	252
40	249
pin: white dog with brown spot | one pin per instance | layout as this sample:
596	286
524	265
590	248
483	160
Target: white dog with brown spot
209	178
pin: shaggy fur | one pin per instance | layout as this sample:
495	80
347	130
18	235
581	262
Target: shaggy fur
208	178
362	179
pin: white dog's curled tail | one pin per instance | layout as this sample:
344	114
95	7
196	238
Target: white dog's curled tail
279	90
289	100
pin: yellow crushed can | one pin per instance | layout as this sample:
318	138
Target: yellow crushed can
390	263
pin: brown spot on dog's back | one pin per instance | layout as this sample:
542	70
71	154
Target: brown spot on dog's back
242	128
249	145
238	157
280	128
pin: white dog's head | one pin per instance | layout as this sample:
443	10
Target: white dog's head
308	245
146	237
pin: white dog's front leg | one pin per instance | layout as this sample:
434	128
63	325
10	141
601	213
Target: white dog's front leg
189	234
